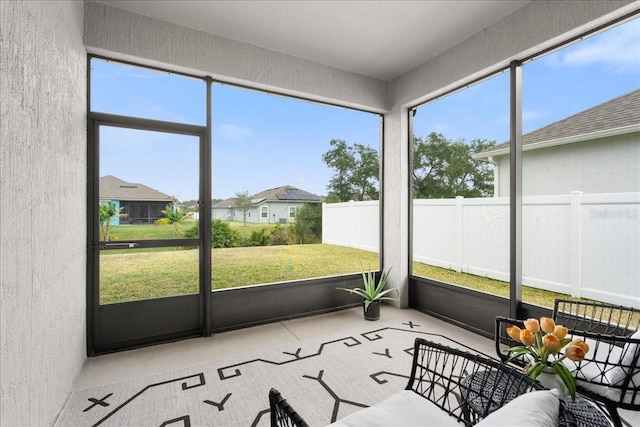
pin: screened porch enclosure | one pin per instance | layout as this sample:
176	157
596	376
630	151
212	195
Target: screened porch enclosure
139	212
383	59
259	298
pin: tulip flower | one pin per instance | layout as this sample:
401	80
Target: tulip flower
542	343
575	353
514	333
547	324
580	343
551	343
532	325
527	337
560	331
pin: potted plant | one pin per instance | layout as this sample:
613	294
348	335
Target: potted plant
372	294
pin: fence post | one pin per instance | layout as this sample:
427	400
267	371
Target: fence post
352	223
324	221
576	247
458	229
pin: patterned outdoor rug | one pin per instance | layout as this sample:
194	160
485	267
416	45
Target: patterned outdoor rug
323	379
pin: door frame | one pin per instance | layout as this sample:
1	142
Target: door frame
124	325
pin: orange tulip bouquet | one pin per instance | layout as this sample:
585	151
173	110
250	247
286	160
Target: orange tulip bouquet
542	344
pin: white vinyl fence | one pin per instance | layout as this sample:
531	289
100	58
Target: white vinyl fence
584	245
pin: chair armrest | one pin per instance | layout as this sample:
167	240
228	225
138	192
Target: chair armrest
502	340
596	317
467	386
283	414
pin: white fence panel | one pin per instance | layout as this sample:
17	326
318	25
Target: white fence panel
352	224
610	243
546	243
585	245
433	240
485	237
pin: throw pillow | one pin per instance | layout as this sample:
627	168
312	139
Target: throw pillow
536	409
618	374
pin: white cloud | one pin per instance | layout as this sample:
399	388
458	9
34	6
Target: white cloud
528	115
234	132
617	48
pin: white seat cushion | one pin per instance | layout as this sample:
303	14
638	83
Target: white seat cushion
404	408
599	370
619	374
535	409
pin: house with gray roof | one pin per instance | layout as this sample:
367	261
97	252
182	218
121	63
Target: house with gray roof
276	205
140	204
594	151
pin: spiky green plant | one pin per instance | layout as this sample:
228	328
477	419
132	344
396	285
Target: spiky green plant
371	292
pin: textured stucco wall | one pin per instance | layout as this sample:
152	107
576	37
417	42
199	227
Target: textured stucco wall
42	207
123	34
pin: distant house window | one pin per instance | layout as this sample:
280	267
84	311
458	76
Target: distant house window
292	211
264	212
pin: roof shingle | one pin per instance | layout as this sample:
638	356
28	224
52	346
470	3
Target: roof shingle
116	189
286	193
616	113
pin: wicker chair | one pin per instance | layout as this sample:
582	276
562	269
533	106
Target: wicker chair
461	384
282	414
610	372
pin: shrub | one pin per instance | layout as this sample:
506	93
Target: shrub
258	238
278	235
308	225
222	235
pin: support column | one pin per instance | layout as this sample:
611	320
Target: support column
396	202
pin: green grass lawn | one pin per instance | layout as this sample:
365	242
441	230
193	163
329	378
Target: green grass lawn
150	231
484	284
137	275
129	275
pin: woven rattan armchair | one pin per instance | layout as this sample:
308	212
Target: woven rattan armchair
460	387
610	372
282	414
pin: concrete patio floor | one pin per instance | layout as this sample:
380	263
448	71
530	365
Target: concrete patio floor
142	362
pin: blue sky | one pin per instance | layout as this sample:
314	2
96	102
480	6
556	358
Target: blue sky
262	141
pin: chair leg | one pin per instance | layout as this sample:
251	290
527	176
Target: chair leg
613	413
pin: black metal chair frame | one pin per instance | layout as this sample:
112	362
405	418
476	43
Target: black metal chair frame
458	382
603	326
283	414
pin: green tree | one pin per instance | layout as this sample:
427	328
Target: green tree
445	169
356	171
173	215
310	215
307	227
107	213
340	158
366	172
242	202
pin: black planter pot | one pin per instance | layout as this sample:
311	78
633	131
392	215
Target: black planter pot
373	311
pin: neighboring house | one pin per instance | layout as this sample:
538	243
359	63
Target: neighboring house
594	151
140	204
277	205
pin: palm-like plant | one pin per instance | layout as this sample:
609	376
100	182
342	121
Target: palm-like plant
173	216
107	212
371	292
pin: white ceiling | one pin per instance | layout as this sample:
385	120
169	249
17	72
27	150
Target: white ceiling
380	39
